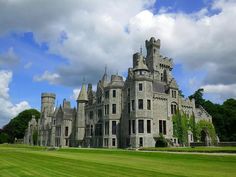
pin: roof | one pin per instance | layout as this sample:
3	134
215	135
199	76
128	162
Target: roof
83	96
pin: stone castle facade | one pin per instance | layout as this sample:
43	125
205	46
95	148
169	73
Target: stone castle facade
130	113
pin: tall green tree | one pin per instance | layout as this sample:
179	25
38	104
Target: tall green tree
17	126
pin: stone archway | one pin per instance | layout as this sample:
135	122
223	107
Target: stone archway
205	138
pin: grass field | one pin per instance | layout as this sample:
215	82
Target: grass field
195	149
27	161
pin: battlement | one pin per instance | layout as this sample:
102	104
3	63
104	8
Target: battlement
51	95
166	62
153	42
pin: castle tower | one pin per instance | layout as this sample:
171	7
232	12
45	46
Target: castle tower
153	53
80	118
47	108
138	93
47	103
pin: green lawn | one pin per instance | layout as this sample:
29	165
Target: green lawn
195	149
26	161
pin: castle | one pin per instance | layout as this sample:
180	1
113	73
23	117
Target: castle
131	113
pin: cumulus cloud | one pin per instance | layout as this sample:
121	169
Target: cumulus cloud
92	34
9	58
7	109
221	91
52	78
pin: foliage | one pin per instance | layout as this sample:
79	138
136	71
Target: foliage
161	141
223	116
208	127
181	127
3	137
17	126
198	96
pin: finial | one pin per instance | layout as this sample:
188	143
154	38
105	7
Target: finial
105	69
83	79
141	50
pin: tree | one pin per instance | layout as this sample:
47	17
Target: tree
17	126
198	96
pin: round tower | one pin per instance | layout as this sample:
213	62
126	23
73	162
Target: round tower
47	103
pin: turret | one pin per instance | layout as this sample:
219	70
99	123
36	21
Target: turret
80	123
47	103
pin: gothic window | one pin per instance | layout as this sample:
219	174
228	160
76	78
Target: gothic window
140	126
162	127
140	104
161	76
148	104
114	93
113	108
113	127
148	126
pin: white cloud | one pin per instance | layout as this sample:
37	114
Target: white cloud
28	65
221	91
75	94
52	78
92	34
7	109
9	58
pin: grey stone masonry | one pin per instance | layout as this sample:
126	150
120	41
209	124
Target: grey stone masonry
131	113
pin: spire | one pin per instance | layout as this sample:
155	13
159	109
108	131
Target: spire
83	96
141	49
104	77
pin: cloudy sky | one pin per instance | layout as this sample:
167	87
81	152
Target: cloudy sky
50	46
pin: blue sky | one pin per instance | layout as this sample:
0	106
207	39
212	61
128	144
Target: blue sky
52	49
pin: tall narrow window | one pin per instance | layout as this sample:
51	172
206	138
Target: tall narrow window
140	86
140	104
91	114
141	142
114	93
113	108
99	114
107	94
106	128
107	109
148	126
66	131
140	126
128	107
91	130
173	108
133	126
113	142
129	127
162	127
113	127
128	92
133	106
148	104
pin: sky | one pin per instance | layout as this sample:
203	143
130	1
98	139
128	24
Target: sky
50	46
